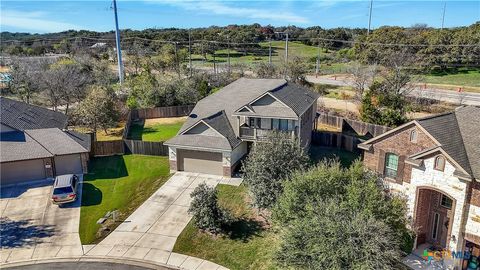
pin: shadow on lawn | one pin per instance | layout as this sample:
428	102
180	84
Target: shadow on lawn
92	195
243	229
106	168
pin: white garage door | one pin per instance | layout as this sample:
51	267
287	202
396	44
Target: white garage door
200	161
21	171
68	164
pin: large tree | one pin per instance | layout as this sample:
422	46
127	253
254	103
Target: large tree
98	109
335	218
26	76
269	164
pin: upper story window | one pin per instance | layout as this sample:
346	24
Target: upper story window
439	163
413	136
391	165
446	202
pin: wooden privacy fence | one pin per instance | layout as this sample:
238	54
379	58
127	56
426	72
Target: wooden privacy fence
145	148
108	148
159	112
345	124
337	140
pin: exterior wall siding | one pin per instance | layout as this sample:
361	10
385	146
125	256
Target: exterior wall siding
306	126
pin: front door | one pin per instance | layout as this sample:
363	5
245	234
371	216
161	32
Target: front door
439	229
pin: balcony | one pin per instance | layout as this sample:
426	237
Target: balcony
249	133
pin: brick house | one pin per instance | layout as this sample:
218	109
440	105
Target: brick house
435	163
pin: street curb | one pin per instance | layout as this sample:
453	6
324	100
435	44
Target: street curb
128	261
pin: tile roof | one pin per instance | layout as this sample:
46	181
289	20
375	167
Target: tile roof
217	109
21	116
458	133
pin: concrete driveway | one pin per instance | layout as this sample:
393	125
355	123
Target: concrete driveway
151	231
34	228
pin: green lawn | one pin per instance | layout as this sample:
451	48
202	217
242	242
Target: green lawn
156	130
461	77
118	183
248	246
318	153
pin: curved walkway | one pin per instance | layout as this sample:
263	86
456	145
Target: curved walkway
148	234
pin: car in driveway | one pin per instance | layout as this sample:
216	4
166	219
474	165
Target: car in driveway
65	189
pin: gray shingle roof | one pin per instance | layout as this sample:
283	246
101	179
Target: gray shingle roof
56	141
21	116
17	145
201	141
468	119
37	143
217	109
458	133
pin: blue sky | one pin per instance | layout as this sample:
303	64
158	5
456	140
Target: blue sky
52	16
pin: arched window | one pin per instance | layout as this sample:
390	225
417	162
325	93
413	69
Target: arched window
413	136
439	163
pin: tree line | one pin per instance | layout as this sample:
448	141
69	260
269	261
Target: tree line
435	48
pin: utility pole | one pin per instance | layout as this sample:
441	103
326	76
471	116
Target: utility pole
117	38
443	15
370	17
190	51
317	67
214	61
228	53
286	49
270	52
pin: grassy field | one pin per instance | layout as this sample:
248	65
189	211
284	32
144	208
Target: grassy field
248	246
118	183
261	54
156	130
461	77
318	153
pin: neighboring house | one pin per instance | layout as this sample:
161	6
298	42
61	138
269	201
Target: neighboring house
221	128
34	145
435	162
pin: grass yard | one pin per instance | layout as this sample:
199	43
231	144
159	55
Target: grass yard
318	153
118	183
111	135
460	77
156	130
249	246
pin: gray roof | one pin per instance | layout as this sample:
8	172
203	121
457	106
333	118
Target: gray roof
458	133
81	138
56	141
217	109
37	143
21	116
17	145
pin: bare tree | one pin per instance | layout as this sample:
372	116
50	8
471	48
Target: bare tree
65	83
363	76
25	73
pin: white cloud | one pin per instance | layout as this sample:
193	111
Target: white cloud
221	8
35	21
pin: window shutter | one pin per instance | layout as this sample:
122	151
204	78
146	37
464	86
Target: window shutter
381	162
400	169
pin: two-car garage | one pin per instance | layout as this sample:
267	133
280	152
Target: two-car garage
200	161
18	171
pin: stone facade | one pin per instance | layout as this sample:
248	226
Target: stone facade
464	222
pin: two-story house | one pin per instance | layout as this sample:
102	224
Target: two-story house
435	163
34	144
222	126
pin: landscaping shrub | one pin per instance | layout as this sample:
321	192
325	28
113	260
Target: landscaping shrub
207	214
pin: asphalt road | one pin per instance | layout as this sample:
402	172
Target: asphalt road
464	98
83	266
